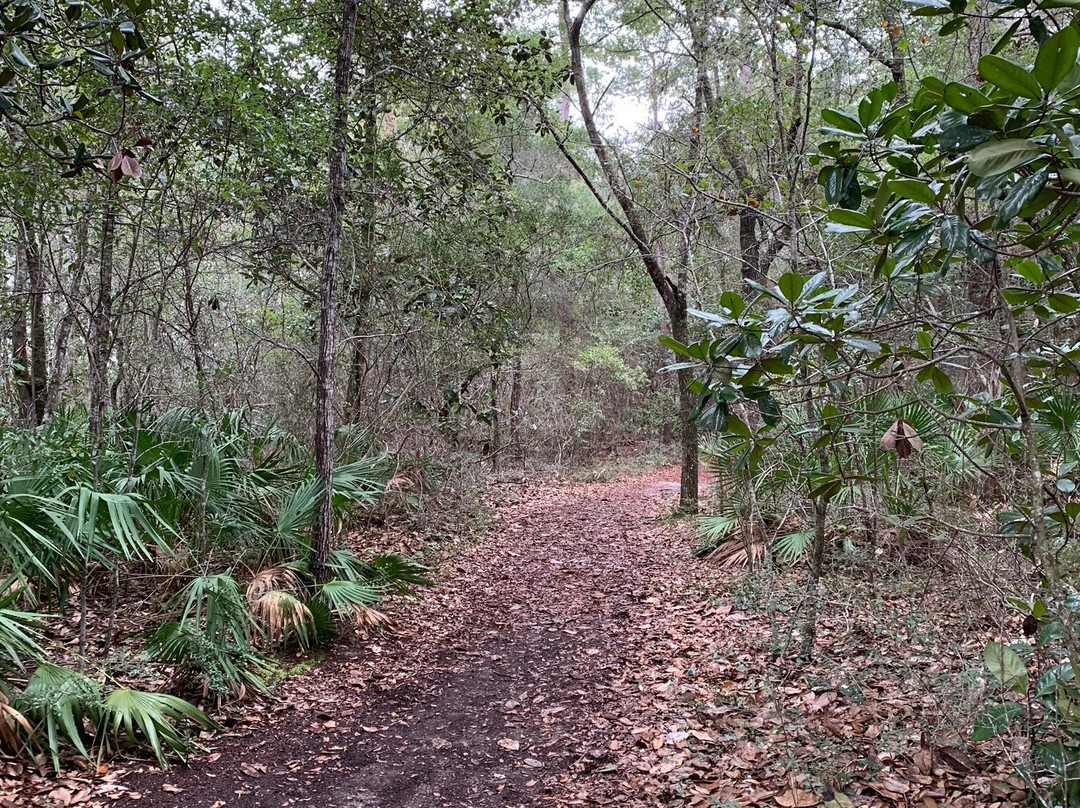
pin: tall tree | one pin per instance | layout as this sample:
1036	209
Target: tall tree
323	533
670	282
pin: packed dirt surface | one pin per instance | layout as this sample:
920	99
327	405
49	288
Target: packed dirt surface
492	690
579	654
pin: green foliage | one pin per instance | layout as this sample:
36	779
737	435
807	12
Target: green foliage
221	666
58	701
62	704
148	719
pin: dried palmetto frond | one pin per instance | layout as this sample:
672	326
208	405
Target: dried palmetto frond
367	618
272	579
735	554
14	727
283	614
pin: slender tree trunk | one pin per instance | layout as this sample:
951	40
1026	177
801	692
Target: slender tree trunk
817	552
517	448
493	408
101	320
360	287
671	291
688	479
191	309
323	532
20	358
39	358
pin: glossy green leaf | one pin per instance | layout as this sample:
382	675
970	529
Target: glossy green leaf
733	302
913	189
1000	156
845	123
1009	76
963	98
850	219
769	409
790	286
913	242
1020	196
1063	302
954	233
20	57
1056	57
1030	271
941	381
842	187
961	138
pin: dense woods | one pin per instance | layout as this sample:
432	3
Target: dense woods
278	275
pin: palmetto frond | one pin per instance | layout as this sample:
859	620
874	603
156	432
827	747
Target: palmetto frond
57	700
149	719
272	578
351	600
284	615
15	729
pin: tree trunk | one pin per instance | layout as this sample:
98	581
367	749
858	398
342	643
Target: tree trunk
517	447
361	288
688	479
323	532
39	357
100	346
493	408
671	291
20	359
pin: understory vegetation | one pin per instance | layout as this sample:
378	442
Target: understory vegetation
279	277
178	553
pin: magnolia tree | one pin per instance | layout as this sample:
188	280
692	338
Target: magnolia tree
962	307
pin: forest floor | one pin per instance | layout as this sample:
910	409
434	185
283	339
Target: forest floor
580	655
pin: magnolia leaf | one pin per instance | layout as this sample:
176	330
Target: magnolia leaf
1009	76
791	285
995	719
1001	156
963	98
913	242
1006	666
954	233
844	123
841	220
1056	57
1020	196
913	189
130	167
902	438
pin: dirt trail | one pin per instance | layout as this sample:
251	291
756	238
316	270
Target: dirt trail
498	688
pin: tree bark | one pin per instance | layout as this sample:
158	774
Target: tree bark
20	359
39	357
517	447
323	531
100	347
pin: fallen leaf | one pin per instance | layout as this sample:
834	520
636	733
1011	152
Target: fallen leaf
797	798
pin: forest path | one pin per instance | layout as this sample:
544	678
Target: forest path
502	687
